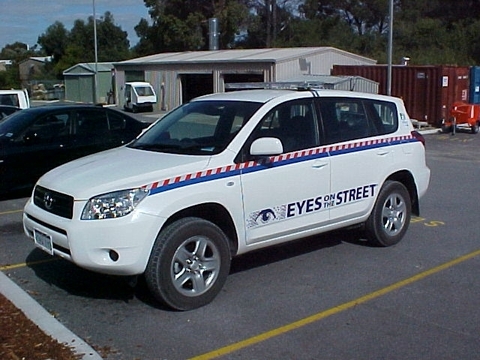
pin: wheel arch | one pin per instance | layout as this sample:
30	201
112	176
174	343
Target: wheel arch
406	178
214	213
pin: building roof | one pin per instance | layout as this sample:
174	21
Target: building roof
270	55
88	68
38	59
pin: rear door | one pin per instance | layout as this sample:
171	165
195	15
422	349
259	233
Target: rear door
360	151
91	131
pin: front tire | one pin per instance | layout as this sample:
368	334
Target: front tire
390	216
189	264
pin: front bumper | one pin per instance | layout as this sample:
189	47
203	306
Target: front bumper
119	246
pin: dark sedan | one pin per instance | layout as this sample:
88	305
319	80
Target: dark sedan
6	110
35	140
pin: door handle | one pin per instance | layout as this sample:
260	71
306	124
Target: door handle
383	152
319	164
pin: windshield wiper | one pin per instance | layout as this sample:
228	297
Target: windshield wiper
156	147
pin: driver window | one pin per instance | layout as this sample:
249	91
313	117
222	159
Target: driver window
48	128
293	123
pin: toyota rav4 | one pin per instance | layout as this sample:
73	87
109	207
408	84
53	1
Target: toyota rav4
229	173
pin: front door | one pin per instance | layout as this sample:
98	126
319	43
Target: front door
283	196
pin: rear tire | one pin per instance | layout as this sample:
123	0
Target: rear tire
390	216
446	129
189	264
475	128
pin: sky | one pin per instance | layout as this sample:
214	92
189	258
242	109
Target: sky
26	20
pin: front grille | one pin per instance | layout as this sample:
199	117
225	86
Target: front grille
53	202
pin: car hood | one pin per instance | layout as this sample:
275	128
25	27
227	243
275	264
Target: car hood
118	169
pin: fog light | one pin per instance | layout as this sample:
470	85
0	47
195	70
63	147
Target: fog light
113	255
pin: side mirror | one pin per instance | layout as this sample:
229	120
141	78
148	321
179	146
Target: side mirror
266	146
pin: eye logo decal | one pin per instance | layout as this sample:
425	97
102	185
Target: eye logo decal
266	216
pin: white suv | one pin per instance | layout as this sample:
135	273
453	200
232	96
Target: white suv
229	173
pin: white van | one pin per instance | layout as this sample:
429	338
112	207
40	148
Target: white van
18	98
139	95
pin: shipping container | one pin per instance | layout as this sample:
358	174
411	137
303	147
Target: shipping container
474	93
428	91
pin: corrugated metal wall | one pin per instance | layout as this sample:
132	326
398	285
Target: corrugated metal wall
320	64
428	91
79	88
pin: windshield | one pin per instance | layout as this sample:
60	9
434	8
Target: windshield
198	128
144	91
11	126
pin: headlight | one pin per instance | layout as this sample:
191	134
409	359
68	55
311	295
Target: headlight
113	205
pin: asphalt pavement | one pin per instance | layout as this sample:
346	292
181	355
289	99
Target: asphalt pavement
48	322
44	319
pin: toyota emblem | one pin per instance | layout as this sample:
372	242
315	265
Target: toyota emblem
48	201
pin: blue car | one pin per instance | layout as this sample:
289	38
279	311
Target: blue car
35	140
6	110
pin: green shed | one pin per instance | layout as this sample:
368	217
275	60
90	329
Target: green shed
80	82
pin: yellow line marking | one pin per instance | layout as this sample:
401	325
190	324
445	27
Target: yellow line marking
30	263
332	311
10	212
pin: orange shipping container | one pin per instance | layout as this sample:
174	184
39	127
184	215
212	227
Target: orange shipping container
429	92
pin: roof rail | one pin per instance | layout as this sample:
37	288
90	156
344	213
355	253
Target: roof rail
294	85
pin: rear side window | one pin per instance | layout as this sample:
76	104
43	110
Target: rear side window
91	122
116	121
9	99
345	119
384	116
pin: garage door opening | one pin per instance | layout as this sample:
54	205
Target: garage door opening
194	85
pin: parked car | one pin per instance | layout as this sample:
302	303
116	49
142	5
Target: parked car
13	97
463	116
6	110
229	173
139	96
35	140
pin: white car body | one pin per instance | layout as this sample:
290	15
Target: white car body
18	98
288	196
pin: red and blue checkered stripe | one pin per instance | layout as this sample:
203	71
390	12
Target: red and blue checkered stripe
274	161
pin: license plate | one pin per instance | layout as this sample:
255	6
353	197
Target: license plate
43	241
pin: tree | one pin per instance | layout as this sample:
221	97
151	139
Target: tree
54	40
267	19
112	41
179	25
77	45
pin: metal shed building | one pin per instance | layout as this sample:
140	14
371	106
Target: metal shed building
179	77
80	82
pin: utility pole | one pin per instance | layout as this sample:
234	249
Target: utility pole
390	46
95	86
